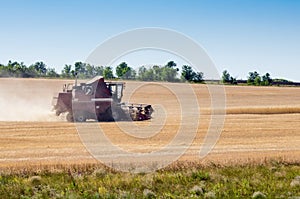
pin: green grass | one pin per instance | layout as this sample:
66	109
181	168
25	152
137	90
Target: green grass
273	180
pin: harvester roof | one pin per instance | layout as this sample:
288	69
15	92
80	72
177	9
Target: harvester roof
96	78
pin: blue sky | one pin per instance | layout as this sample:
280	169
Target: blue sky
240	35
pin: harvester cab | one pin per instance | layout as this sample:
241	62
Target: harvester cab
68	87
116	89
98	100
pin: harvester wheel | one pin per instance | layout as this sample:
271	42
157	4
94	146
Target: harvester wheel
57	112
80	117
116	115
69	117
106	116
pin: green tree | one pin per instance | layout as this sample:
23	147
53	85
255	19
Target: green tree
66	72
15	69
157	73
108	73
26	71
90	71
124	71
198	77
146	74
251	78
257	81
52	73
10	68
171	64
80	69
31	71
143	73
233	80
150	75
133	74
40	68
169	74
226	78
99	70
187	73
18	69
266	79
2	70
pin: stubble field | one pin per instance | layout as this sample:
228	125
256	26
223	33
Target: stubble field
262	123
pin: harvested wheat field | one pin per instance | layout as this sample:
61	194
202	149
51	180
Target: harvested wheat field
262	123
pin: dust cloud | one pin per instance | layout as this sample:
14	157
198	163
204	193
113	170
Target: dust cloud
28	99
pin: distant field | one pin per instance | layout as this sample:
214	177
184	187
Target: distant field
262	123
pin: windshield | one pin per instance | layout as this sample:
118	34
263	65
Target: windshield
116	91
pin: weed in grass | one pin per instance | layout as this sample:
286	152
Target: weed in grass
280	174
210	195
258	195
197	190
296	182
35	180
149	194
200	175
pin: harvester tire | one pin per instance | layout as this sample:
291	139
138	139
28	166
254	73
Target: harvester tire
69	117
116	115
79	117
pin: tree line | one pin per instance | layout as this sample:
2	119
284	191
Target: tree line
16	69
254	78
168	72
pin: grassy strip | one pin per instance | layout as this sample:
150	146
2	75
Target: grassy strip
276	180
253	110
263	110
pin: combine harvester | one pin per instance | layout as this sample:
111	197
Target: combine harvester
98	100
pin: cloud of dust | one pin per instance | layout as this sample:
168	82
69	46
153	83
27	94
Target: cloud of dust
28	99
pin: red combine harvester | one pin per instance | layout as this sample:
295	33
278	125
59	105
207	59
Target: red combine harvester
98	100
